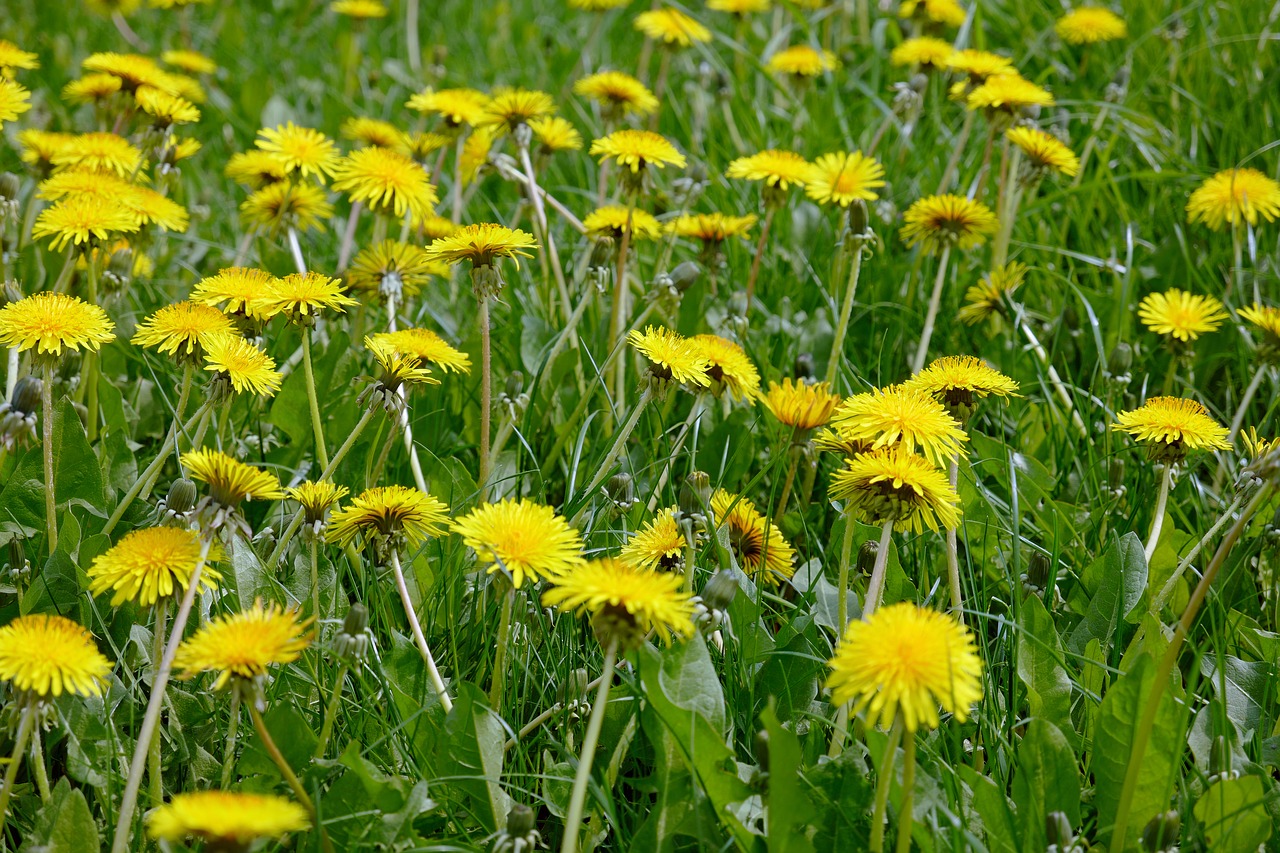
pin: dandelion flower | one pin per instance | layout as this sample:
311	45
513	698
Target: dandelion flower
300	149
372	131
166	109
939	221
672	358
986	299
147	206
287	205
554	133
389	515
236	290
800	405
14	100
133	69
47	322
302	296
396	368
1170	427
316	500
83	219
658	544
91	87
49	655
508	108
421	145
1265	319
481	244
978	65
391	268
801	60
40	147
1009	93
611	220
229	820
739	7
925	51
1181	315
900	415
99	152
894	484
361	10
1234	196
713	228
522	538
905	662
597	5
189	61
637	149
1044	151
843	178
148	565
729	366
778	169
183	329
959	381
671	27
626	601
230	481
757	543
1089	25
255	169
14	58
620	94
244	365
387	182
243	645
947	12
457	107
428	347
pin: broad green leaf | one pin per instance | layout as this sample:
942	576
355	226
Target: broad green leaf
56	589
1040	666
473	762
119	469
1122	580
1244	686
250	579
993	807
790	673
690	682
789	808
1046	780
1233	816
65	824
292	735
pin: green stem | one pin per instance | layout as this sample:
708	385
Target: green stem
1157	521
795	452
436	681
908	791
846	311
331	711
37	765
875	589
931	315
883	781
153	755
618	319
25	726
315	577
1157	604
500	654
759	256
1238	420
317	427
486	393
842	583
577	802
50	503
953	554
618	444
229	751
90	369
287	772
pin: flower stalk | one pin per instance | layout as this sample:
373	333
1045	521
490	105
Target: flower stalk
436	681
577	802
931	315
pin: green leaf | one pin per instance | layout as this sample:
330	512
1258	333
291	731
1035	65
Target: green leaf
1046	780
65	824
790	673
292	735
1122	578
1118	719
789	808
56	589
473	762
251	581
119	468
1040	666
993	806
1244	686
1233	816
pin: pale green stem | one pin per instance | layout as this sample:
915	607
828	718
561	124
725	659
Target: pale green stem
1157	522
578	800
11	378
795	452
315	577
50	503
299	790
1010	199
500	654
25	726
842	620
931	315
89	370
486	393
883	782
331	711
157	653
618	320
908	791
347	247
846	311
436	681
322	456
953	555
1167	590
759	256
229	750
37	765
875	589
1238	420
295	249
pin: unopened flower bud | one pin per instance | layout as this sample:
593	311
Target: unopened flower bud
1115	474
181	498
803	369
720	591
760	748
1039	570
523	135
120	266
26	395
520	820
621	491
1220	759
486	281
1120	361
858	222
573	687
352	642
1058	831
867	556
12	292
695	493
1161	832
685	274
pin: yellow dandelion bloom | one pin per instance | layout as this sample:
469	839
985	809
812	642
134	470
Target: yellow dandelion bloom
947	12
1044	150
937	222
645	600
671	356
1090	25
428	347
387	182
456	106
1234	196
475	152
671	27
597	5
147	206
508	108
396	368
361	10
393	513
391	268
801	60
246	366
183	329
243	645
421	145
166	109
927	52
739	7
40	147
1181	315
372	131
1172	426
900	415
14	58
133	69
986	299
521	538
317	498
150	564
236	290
729	366
775	168
978	65
300	149
99	152
83	220
658	544
757	543
554	133
801	405
959	381
1265	318
226	819
304	295
611	220
619	93
1009	93
893	484
47	322
91	87
905	662
481	244
51	655
285	204
14	100
637	149
712	227
255	169
843	178
230	481
189	61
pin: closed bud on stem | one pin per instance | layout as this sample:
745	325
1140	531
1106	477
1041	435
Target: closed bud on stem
1120	362
352	641
867	556
573	687
1115	476
1220	760
621	492
12	292
26	395
10	186
1058	831
1161	832
178	502
720	591
760	749
695	493
685	274
803	369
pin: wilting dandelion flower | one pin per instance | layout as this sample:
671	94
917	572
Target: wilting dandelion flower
1089	25
800	405
618	93
428	347
182	330
905	662
387	182
672	358
843	178
925	51
1233	196
300	149
243	645
1044	151
521	538
900	415
625	601
285	204
48	322
937	222
947	12
390	517
729	367
83	220
1181	315
244	365
671	27
148	565
958	382
611	220
801	60
226	820
895	484
659	543
757	543
1170	427
49	655
986	300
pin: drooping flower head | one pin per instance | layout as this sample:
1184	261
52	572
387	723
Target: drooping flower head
611	220
1180	315
83	220
900	415
843	178
230	481
1090	25
47	322
905	662
385	181
1234	196
244	645
625	601
801	405
1171	427
987	300
396	373
617	93
285	204
802	61
937	222
671	27
958	382
672	358
930	54
300	149
316	500
553	133
245	366
1043	151
894	484
757	543
392	270
523	539
182	330
49	655
658	544
150	564
729	367
301	297
230	820
428	347
166	109
388	517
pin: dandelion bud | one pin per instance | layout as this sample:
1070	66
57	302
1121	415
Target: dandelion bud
573	687
352	642
760	749
620	491
1120	362
720	591
19	568
181	498
1161	832
1058	832
1115	476
867	556
1220	760
803	369
486	281
858	224
10	186
1035	580
602	253
684	275
1118	87
18	415
520	820
26	395
695	494
12	292
615	624
120	267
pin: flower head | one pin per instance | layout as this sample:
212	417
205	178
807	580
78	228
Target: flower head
14	58
302	296
978	65
778	169
83	220
457	107
958	382
395	369
166	109
236	290
938	221
900	415
189	61
1009	93
284	204
49	655
375	132
925	51
554	133
626	601
317	499
757	543
255	169
226	819
620	94
1089	25
428	347
300	149
481	244
360	10
1265	319
904	662
801	60
894	484
133	69
1170	427
145	205
389	516
637	149
947	12
1233	196
385	181
521	538
597	5
150	564
671	27
672	358
391	269
713	228
243	645
91	87
14	100
183	329
1044	151
658	544
986	299
611	221
99	152
244	365
800	405
508	108
729	367
843	178
1181	315
230	481
48	322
